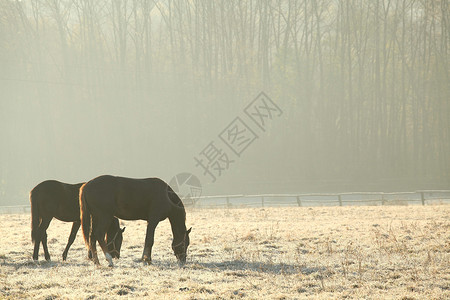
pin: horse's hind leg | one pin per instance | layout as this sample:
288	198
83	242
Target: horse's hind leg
93	247
41	237
73	234
37	242
44	245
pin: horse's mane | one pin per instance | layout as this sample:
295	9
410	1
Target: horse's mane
176	200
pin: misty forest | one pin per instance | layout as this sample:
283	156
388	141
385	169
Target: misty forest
359	93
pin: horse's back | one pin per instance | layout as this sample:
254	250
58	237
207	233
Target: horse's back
57	199
126	198
108	184
54	187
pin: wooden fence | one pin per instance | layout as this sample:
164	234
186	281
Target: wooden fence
308	200
423	197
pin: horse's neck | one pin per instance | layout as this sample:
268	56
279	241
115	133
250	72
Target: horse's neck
178	224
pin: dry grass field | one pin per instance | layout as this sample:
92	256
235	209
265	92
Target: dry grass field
373	252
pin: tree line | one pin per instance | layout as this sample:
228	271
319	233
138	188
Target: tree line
364	85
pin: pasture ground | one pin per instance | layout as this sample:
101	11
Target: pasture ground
372	252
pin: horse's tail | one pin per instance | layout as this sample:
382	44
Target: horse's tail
85	215
34	215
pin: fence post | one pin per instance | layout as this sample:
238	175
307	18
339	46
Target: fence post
340	200
422	196
228	202
382	199
262	201
299	202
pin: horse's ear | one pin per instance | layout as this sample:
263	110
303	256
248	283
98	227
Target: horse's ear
123	229
189	230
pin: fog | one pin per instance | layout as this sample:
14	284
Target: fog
355	94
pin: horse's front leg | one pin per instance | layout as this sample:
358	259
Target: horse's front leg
108	256
149	240
99	232
73	234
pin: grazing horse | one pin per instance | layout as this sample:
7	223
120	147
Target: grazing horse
53	199
149	199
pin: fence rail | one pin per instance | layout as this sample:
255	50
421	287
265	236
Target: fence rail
423	197
15	209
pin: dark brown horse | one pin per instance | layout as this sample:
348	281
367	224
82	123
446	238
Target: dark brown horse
53	199
150	199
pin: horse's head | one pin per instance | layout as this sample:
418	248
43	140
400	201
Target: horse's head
115	243
180	248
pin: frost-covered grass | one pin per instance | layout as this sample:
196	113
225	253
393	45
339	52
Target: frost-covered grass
391	252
